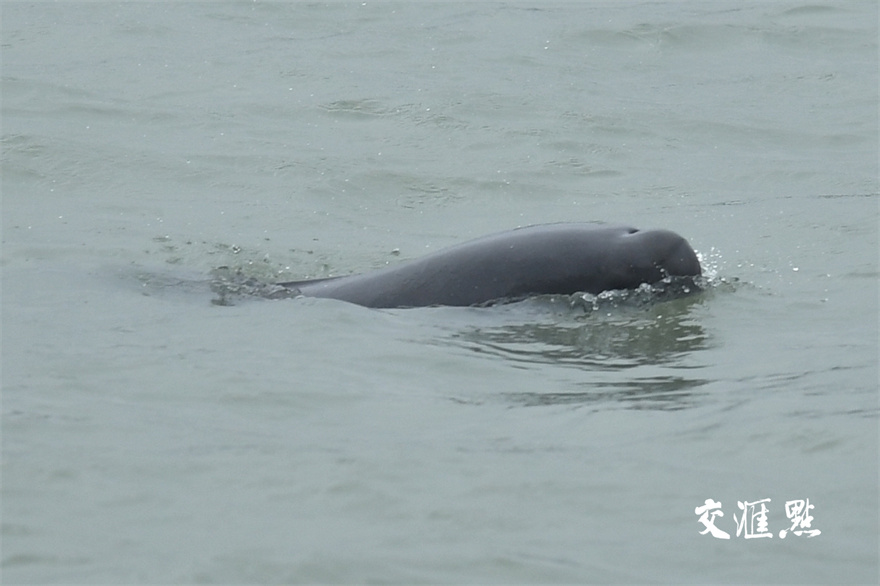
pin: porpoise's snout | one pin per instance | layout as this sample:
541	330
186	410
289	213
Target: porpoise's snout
682	260
665	250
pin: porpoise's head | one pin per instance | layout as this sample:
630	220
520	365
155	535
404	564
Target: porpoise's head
652	255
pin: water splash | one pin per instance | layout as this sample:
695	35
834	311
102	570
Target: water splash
231	285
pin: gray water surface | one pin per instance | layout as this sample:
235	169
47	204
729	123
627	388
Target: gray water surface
150	435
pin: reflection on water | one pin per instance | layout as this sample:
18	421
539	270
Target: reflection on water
606	342
624	346
613	332
664	393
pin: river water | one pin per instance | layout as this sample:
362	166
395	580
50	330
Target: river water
153	433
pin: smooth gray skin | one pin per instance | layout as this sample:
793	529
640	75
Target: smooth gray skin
544	259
